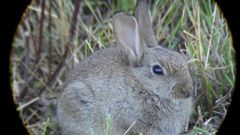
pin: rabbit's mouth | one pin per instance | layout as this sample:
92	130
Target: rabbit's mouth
182	90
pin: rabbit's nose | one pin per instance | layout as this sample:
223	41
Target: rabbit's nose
182	90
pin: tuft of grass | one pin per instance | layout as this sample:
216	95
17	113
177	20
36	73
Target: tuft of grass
54	37
103	129
45	126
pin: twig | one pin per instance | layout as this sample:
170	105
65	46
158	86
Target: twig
40	32
129	128
74	20
50	39
26	62
33	113
32	73
71	35
28	103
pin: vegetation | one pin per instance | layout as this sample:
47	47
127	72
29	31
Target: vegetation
55	35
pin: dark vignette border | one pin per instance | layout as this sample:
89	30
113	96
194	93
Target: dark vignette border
231	14
10	17
11	13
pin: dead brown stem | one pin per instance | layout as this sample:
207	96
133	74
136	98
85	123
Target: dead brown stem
40	38
68	43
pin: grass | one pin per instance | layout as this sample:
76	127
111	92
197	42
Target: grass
54	36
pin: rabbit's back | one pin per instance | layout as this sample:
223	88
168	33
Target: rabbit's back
96	87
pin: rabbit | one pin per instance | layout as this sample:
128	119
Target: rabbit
142	87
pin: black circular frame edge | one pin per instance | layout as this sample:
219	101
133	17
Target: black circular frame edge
12	12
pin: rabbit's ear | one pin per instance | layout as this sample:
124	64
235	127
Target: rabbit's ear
145	24
125	28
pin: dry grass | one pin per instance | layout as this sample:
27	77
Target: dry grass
54	36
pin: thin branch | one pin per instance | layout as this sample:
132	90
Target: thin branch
27	104
26	61
50	39
68	43
40	38
129	128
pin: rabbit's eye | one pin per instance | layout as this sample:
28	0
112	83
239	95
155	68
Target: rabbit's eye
156	69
